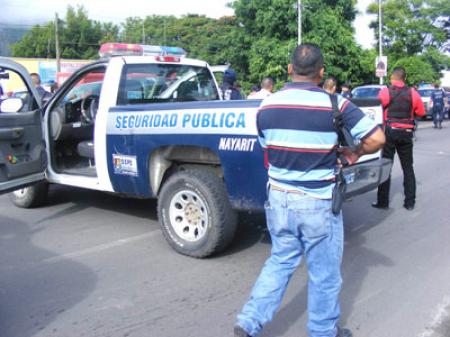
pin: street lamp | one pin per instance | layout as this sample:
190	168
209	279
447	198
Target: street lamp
299	22
380	38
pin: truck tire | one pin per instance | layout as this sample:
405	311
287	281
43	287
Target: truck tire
31	196
195	214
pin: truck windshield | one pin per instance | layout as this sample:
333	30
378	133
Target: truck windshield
151	83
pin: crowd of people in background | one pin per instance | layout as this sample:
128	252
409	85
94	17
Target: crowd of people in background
231	89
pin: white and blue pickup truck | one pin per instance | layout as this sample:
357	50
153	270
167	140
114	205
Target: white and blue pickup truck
147	127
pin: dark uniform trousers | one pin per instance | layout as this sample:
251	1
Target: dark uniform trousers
400	140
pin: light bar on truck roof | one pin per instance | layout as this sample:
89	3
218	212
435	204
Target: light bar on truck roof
119	49
125	49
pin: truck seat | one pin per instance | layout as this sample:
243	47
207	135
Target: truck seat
86	149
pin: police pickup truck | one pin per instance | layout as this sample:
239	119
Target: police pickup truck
147	127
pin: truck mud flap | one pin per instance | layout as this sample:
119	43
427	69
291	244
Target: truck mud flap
365	177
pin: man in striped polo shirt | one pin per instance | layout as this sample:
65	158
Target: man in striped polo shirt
296	130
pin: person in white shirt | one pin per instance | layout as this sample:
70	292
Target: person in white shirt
267	85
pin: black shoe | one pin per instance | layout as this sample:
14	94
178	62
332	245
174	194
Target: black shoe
240	332
379	206
342	332
408	207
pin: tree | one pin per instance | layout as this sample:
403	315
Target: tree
417	70
412	26
38	42
272	26
80	37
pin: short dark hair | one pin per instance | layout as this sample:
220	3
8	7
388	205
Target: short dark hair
399	73
329	83
37	76
307	60
267	82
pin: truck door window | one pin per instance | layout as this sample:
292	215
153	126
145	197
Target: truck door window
73	115
14	93
152	83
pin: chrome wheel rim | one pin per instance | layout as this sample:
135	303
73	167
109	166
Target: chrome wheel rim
20	193
188	216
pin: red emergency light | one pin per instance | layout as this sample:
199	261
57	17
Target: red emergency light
167	59
162	53
122	49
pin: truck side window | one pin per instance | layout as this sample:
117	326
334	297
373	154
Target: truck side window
156	83
14	90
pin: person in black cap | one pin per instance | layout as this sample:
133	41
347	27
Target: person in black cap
229	91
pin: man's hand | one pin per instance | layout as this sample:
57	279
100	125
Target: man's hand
350	156
368	145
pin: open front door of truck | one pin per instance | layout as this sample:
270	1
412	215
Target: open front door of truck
23	157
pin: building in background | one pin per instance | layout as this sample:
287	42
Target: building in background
46	68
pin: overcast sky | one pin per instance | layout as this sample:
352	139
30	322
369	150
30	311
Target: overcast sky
27	12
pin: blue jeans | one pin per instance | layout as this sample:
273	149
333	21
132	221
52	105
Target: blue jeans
299	225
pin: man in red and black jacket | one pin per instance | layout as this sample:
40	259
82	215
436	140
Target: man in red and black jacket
400	104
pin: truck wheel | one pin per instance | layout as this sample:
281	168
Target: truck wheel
195	214
29	197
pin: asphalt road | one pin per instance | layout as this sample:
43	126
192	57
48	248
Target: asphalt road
91	264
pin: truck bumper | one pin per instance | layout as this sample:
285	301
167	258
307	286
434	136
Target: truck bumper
366	176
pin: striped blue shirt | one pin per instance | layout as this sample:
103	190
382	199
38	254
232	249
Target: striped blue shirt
295	127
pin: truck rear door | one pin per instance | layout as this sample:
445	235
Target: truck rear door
23	158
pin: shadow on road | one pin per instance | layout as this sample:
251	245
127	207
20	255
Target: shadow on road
35	288
83	199
359	218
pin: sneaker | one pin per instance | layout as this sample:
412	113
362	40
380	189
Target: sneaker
379	206
342	332
240	332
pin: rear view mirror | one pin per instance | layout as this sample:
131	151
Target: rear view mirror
11	105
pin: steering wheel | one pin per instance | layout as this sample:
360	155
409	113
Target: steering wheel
89	107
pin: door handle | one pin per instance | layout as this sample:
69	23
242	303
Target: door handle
11	133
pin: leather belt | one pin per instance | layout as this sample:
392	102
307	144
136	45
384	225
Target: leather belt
280	189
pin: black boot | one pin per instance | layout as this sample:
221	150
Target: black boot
379	206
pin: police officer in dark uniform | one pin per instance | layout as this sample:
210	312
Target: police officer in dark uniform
437	97
229	91
400	104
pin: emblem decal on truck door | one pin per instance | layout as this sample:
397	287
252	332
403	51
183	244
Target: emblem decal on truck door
125	165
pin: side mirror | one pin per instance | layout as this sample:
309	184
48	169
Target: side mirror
11	105
4	76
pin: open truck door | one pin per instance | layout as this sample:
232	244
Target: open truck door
23	158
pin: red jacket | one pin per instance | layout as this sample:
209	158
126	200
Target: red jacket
417	105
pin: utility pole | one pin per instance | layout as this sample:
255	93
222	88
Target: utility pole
58	55
380	36
143	31
164	32
299	21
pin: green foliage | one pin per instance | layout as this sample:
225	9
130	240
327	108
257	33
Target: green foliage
417	70
260	38
415	32
80	37
38	42
410	26
272	26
